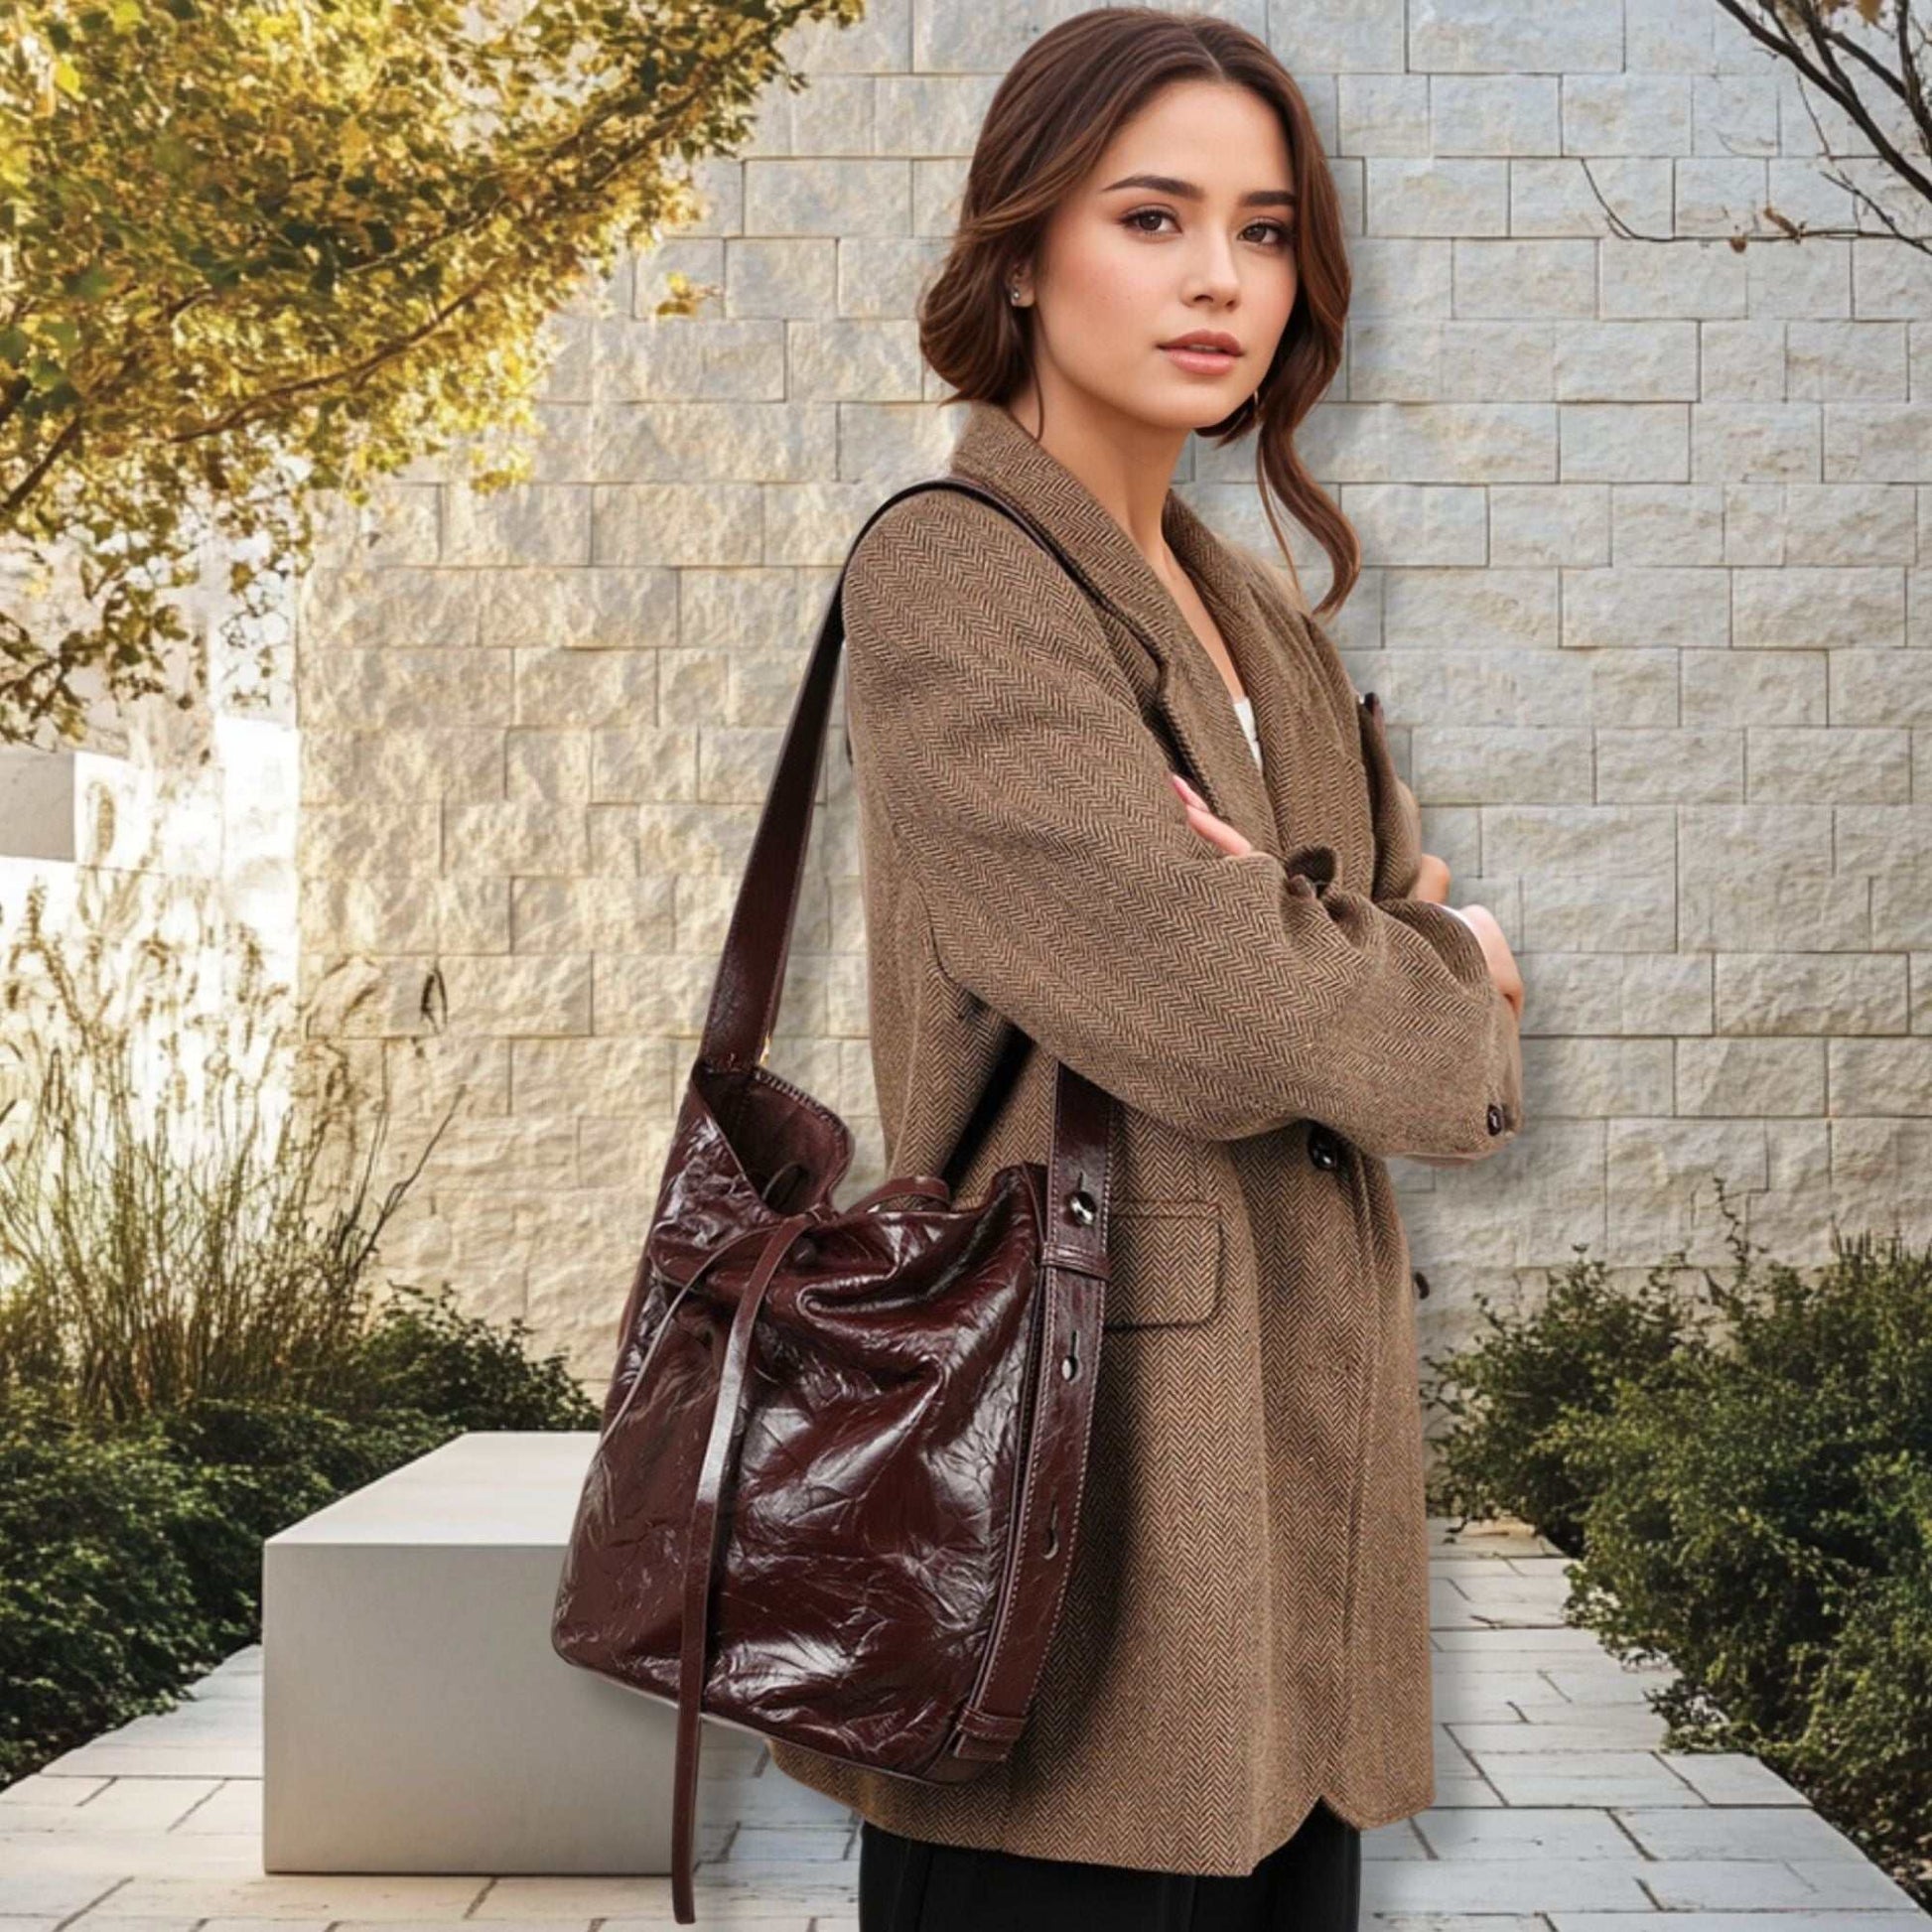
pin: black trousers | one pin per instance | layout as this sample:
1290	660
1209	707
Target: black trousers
1311	1883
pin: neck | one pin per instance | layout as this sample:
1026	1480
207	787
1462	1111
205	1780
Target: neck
1127	462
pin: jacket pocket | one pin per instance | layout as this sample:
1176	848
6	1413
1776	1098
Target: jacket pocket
1166	1264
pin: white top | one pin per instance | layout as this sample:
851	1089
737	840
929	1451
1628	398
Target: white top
1244	708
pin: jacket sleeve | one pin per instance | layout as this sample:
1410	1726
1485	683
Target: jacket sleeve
995	731
1398	821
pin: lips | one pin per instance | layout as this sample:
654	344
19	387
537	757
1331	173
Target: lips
1201	358
1207	344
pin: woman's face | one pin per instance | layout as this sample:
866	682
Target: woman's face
1186	223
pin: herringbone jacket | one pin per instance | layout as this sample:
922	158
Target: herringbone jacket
1246	1625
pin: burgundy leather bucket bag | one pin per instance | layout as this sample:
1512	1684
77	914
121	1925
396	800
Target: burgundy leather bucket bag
836	1486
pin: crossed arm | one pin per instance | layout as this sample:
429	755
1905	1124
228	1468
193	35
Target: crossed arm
1063	887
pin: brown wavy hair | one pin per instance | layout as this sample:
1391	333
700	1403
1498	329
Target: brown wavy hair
1050	120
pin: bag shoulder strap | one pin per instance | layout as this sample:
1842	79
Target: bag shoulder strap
745	998
751	973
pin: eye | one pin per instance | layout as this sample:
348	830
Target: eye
1283	236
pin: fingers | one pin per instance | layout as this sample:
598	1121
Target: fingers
1432	880
1217	831
1502	961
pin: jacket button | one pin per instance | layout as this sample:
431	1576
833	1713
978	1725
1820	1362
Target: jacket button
1495	1118
1323	1149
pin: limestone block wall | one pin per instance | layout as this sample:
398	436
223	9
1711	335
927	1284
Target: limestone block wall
1647	526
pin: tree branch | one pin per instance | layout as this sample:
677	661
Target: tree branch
1845	93
1769	25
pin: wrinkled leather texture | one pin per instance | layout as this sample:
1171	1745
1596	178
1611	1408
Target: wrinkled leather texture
874	1479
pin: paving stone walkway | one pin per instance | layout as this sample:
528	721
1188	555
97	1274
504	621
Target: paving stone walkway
1554	1811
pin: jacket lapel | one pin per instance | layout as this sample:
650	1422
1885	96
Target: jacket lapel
1191	693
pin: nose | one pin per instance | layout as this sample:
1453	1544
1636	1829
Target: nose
1214	272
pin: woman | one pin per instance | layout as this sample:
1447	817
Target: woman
1074	850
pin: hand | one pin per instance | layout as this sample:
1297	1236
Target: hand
1432	880
1432	884
1432	875
1495	949
1217	831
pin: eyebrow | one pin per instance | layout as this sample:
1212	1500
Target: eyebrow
1189	192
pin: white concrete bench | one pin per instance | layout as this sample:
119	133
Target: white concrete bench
415	1717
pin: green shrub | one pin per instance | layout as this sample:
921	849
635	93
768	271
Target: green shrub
1866	1750
130	1556
100	1609
260	1466
1737	1513
130	1559
423	1352
193	1350
1745	1482
1728	1523
1527	1398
